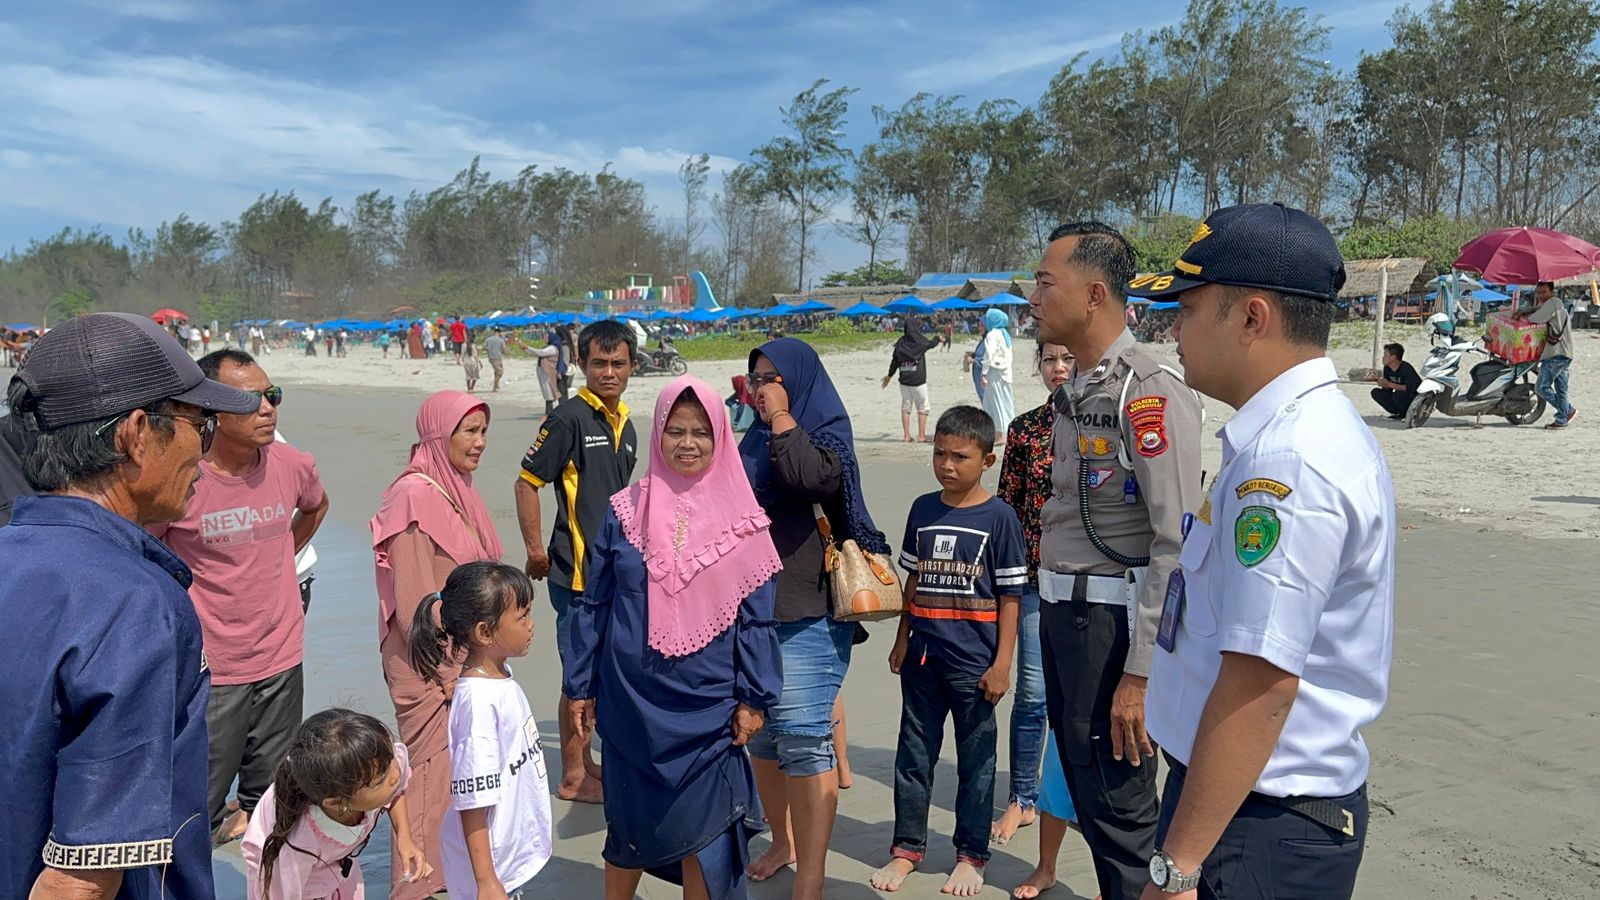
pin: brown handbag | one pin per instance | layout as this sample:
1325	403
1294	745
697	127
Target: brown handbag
864	585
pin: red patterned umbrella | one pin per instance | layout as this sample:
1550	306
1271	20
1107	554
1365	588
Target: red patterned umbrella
1528	255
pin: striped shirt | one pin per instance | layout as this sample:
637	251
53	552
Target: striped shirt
965	560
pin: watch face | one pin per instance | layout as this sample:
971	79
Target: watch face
1158	870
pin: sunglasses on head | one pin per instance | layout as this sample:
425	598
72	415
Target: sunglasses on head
273	395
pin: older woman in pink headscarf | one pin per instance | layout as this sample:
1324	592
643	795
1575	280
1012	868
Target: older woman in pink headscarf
431	521
673	654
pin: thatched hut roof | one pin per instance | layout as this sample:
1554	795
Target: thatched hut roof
1407	275
841	297
1577	280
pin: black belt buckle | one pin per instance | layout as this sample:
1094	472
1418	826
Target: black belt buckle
1322	811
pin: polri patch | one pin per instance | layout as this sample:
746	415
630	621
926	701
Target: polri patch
1148	415
1263	486
1255	534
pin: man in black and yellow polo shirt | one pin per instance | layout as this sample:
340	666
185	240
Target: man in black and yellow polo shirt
586	449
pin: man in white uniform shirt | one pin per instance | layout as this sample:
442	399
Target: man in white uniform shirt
1277	630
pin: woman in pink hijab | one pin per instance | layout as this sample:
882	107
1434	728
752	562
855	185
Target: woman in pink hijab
431	521
673	654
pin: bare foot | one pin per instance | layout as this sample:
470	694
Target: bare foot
965	881
587	791
909	440
233	825
890	877
770	863
1040	881
1013	818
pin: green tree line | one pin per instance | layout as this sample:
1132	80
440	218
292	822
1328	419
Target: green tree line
1480	114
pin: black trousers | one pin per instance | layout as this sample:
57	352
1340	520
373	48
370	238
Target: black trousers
1394	403
1268	852
252	726
1085	647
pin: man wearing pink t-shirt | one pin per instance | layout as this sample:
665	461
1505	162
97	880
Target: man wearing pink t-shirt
255	505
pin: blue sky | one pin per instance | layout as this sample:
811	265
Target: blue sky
128	112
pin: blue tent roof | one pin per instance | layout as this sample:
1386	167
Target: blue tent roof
955	279
782	309
811	306
955	304
22	326
908	303
1004	298
861	309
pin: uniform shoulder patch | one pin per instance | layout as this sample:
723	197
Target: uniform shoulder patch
1255	535
1148	416
1263	486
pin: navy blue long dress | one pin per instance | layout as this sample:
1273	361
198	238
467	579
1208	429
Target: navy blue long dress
675	786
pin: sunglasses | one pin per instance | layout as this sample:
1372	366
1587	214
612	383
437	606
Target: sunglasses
761	379
273	395
205	426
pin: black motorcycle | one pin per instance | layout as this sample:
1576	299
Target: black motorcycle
662	361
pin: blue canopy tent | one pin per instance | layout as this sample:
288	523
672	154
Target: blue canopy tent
956	304
861	309
813	306
1004	298
908	303
782	309
22	326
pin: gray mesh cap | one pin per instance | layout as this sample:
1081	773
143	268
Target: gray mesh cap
102	365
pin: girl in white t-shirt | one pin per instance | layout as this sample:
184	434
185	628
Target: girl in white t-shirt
500	837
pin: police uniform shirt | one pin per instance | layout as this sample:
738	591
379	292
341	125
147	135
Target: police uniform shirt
589	453
105	705
1154	424
1290	558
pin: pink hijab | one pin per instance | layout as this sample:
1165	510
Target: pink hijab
726	552
454	518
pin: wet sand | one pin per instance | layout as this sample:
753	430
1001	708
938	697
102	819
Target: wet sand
1483	774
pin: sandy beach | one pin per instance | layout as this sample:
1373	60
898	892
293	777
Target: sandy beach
1483	775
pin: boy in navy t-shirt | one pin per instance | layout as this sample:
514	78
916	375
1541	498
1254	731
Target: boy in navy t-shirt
968	564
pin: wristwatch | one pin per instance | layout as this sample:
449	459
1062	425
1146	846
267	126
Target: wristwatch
1164	874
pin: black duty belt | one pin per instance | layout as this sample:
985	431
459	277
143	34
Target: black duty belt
1321	810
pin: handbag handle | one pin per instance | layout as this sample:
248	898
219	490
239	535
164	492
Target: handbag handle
824	527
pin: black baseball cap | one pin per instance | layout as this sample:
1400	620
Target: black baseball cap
1259	245
102	365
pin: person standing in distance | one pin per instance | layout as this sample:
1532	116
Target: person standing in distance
1556	357
1277	632
1127	467
587	448
494	347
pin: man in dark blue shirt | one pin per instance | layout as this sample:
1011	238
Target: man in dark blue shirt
105	753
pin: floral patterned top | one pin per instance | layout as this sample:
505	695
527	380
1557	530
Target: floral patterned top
1025	474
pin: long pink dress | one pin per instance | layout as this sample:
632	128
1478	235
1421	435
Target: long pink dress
312	863
416	568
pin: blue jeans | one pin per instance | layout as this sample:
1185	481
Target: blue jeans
1552	386
932	690
799	729
1027	705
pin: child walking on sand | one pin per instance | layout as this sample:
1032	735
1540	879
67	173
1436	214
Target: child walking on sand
341	772
471	366
500	836
967	565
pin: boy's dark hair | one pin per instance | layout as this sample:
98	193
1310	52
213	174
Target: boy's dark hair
1398	350
1101	249
609	334
968	422
336	753
477	592
211	363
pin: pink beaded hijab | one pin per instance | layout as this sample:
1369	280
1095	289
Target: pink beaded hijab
704	539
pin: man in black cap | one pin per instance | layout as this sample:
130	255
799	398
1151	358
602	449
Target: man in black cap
1276	630
105	751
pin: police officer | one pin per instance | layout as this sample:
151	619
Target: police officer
1276	632
1127	466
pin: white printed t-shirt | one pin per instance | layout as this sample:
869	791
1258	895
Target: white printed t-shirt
496	760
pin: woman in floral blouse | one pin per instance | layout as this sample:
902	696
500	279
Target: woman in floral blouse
1025	483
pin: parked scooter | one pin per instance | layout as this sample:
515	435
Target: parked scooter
662	361
1494	387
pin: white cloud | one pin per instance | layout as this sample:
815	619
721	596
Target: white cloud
996	58
157	10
